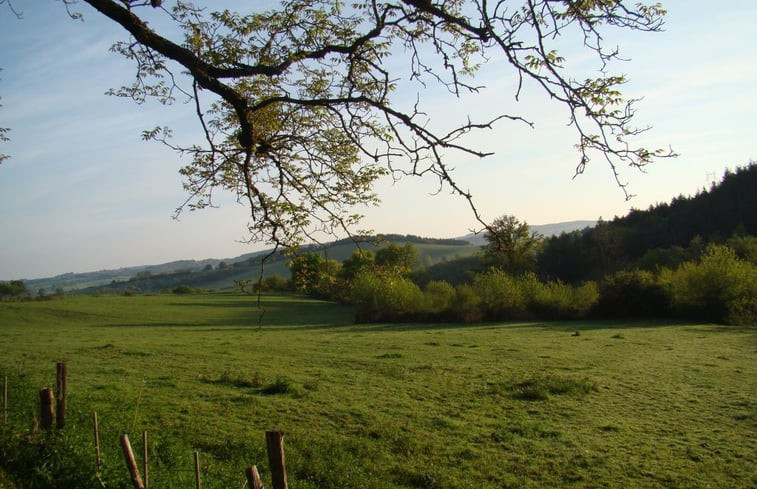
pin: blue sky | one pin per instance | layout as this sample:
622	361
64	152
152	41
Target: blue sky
82	192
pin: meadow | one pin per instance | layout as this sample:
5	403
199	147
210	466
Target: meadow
490	405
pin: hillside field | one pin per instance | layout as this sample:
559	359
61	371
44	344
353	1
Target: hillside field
505	405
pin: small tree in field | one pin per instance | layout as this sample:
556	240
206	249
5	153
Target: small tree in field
14	288
313	274
511	246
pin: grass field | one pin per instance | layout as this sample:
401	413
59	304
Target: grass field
533	405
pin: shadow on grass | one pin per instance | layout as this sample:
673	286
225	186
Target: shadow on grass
294	312
273	312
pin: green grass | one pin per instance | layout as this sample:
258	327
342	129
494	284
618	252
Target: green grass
381	406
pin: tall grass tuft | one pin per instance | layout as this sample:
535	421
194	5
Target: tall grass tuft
542	387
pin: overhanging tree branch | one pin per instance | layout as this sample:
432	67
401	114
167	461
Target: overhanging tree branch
303	123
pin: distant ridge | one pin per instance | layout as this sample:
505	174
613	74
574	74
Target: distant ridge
545	230
239	265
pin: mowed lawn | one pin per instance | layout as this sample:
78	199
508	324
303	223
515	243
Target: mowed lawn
533	405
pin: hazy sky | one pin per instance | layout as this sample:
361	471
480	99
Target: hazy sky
82	192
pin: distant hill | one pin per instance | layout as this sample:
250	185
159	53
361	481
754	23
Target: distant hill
221	273
78	281
214	273
546	230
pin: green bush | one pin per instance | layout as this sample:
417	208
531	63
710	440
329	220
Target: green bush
719	288
439	298
183	289
634	293
385	297
558	300
500	296
467	305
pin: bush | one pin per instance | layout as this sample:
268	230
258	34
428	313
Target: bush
466	307
500	296
439	298
183	289
719	288
385	297
557	300
635	293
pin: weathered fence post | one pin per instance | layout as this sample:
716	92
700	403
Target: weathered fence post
46	408
275	446
144	457
60	388
97	442
253	478
131	463
197	469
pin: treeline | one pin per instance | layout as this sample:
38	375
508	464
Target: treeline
718	286
657	263
16	290
665	235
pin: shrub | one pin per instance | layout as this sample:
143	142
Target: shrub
500	295
183	289
558	300
634	293
439	297
275	283
466	306
385	297
720	287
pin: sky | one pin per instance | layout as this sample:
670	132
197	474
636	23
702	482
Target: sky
81	191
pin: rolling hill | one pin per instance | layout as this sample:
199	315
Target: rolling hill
215	273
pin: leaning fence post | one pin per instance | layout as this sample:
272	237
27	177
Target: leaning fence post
5	400
275	446
60	389
253	478
131	463
46	408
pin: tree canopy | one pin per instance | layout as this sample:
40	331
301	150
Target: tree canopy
511	245
295	98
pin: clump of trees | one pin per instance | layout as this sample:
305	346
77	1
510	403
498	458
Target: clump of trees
715	282
13	289
16	290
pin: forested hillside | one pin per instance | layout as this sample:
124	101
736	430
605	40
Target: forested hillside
663	235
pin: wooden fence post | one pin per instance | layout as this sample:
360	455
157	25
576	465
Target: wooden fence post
275	445
131	463
46	408
144	457
97	442
197	469
60	388
253	478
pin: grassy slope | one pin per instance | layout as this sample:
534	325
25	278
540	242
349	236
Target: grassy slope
379	406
